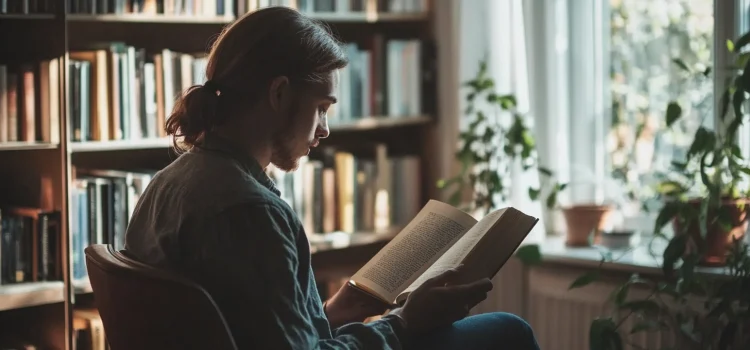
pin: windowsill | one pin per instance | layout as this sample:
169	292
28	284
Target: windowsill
637	260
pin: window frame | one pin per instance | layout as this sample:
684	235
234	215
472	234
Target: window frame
590	100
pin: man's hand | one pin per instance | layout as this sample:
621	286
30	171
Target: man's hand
440	301
350	305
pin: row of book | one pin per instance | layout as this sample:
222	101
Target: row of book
30	245
102	202
154	7
383	78
343	192
29	102
336	6
26	7
123	93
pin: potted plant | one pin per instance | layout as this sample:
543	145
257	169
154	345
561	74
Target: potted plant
496	136
704	311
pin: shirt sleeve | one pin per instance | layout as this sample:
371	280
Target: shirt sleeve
267	307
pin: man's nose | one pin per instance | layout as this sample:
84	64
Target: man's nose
322	130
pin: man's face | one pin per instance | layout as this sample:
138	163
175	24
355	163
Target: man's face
306	124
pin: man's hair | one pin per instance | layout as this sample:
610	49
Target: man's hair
248	54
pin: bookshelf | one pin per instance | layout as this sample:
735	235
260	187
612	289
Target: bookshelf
49	167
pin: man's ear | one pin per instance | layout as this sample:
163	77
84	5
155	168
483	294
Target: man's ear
279	94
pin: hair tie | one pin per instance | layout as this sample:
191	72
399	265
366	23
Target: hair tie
211	86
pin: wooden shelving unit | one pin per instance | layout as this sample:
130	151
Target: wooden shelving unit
27	17
138	18
119	145
44	174
22	295
20	146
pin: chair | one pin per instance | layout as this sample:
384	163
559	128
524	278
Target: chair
146	308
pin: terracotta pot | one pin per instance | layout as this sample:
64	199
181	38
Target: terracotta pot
718	240
581	220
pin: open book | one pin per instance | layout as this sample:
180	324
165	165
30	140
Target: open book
440	238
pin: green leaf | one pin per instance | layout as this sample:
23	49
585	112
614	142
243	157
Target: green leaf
724	105
529	254
584	280
742	59
545	171
441	183
730	45
492	97
551	199
603	335
680	63
703	217
674	251
507	101
534	193
742	41
701	141
621	294
670	188
680	166
455	198
738	98
666	214
674	111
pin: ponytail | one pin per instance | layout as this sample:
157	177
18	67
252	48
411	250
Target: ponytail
194	114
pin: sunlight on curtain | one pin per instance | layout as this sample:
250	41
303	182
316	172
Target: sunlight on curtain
495	30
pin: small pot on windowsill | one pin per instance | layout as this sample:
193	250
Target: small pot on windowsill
583	219
616	238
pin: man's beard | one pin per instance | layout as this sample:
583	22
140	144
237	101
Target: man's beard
282	153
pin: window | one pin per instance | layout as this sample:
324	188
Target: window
605	77
657	51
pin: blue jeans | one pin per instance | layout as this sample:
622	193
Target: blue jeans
491	331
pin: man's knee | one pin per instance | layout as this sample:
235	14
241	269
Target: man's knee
511	329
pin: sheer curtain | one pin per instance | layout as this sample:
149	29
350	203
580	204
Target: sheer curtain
495	30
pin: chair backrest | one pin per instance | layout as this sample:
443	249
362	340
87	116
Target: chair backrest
147	308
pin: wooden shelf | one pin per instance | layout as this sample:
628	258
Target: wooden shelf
119	145
356	17
82	286
379	122
15	296
368	123
139	18
28	16
20	146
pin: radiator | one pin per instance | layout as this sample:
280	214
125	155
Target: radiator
560	318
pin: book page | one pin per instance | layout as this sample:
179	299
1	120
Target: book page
456	254
435	229
499	244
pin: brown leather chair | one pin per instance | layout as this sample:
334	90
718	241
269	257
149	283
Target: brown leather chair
146	308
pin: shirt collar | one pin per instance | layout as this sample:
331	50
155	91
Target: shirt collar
216	143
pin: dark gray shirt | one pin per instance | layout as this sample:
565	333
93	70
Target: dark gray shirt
214	216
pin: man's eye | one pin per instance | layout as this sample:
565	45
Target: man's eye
322	110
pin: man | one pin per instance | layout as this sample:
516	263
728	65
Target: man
214	216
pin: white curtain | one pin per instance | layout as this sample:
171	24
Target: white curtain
496	30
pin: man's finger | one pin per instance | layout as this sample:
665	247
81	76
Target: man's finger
479	286
443	278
